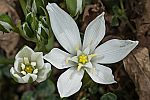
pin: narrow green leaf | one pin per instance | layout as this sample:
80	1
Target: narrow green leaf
27	30
6	24
50	43
71	6
5	18
3	29
39	4
23	6
34	7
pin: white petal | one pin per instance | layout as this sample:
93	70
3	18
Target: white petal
94	32
58	58
16	75
113	51
38	58
43	73
87	50
64	28
69	82
25	52
26	78
101	74
79	52
88	65
17	64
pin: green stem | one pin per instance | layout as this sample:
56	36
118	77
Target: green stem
6	61
121	5
23	6
131	27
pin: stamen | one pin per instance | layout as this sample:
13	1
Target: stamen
23	72
67	60
26	60
92	55
35	71
79	66
33	64
28	69
22	66
83	59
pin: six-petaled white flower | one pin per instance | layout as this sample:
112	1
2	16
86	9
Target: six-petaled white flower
29	66
83	57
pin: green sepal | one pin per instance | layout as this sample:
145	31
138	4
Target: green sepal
30	80
16	80
109	96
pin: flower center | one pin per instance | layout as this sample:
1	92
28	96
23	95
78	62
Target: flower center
28	69
83	59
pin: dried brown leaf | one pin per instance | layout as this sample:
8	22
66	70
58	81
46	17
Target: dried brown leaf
143	24
9	41
137	65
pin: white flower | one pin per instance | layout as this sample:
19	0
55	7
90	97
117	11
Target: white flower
84	57
29	66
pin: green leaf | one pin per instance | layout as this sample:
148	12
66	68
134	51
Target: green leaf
50	43
32	20
6	24
45	88
5	18
71	6
109	96
114	21
43	20
34	7
23	6
47	20
3	29
27	30
23	34
29	17
28	95
39	4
